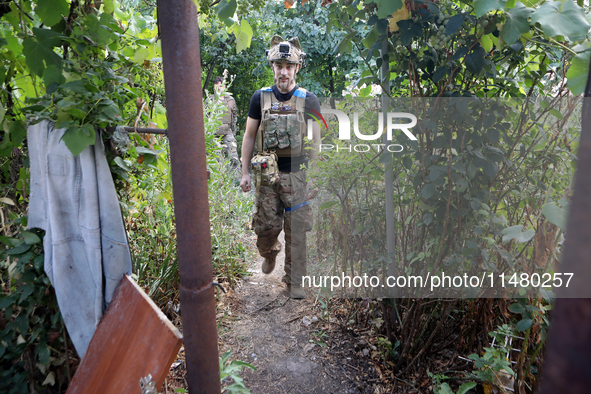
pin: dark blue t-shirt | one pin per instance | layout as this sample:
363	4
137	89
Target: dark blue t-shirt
286	164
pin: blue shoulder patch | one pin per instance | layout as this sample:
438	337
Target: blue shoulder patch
266	89
299	93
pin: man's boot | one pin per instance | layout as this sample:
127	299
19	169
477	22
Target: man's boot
269	262
297	292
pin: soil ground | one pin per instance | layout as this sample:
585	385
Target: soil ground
287	341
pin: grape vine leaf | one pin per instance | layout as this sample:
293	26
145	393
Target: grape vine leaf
566	20
481	7
226	9
516	24
454	24
243	33
578	72
475	60
388	7
39	52
78	138
51	11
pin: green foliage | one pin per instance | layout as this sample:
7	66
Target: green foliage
230	370
243	33
467	194
248	68
577	73
87	68
387	7
33	349
562	19
147	200
491	48
442	387
555	214
230	209
225	10
326	72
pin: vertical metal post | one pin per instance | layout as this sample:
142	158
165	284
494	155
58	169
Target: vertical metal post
182	79
568	357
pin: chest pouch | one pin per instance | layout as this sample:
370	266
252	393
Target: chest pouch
283	131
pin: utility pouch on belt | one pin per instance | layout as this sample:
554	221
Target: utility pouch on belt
265	169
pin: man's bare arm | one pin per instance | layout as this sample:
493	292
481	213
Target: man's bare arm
248	142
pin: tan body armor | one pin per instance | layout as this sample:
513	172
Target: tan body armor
228	120
282	126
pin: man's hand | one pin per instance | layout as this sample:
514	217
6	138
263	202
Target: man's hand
245	183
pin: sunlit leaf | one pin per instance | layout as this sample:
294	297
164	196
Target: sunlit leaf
109	6
578	72
399	15
566	20
141	55
243	33
387	7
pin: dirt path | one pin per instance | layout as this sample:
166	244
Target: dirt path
273	332
294	348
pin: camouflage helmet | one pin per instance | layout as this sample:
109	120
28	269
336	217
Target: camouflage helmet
287	50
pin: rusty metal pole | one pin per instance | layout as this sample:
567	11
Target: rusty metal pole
567	362
182	80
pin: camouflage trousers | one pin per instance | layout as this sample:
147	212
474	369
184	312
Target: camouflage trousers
230	147
283	206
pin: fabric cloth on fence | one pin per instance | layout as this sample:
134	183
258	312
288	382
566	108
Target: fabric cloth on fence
86	251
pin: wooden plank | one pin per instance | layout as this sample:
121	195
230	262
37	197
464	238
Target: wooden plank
133	339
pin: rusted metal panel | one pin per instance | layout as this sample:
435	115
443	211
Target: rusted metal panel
133	340
567	362
182	80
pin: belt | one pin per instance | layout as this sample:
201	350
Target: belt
303	204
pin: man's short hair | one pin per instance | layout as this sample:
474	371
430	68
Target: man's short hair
218	79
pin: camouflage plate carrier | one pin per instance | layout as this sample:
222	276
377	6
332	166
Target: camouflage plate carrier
281	134
228	121
282	124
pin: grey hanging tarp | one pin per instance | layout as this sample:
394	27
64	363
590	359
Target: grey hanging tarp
86	251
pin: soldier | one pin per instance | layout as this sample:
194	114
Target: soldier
276	124
228	127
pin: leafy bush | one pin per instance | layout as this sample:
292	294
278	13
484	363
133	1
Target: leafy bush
35	352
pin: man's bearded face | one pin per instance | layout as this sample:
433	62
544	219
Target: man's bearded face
284	75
